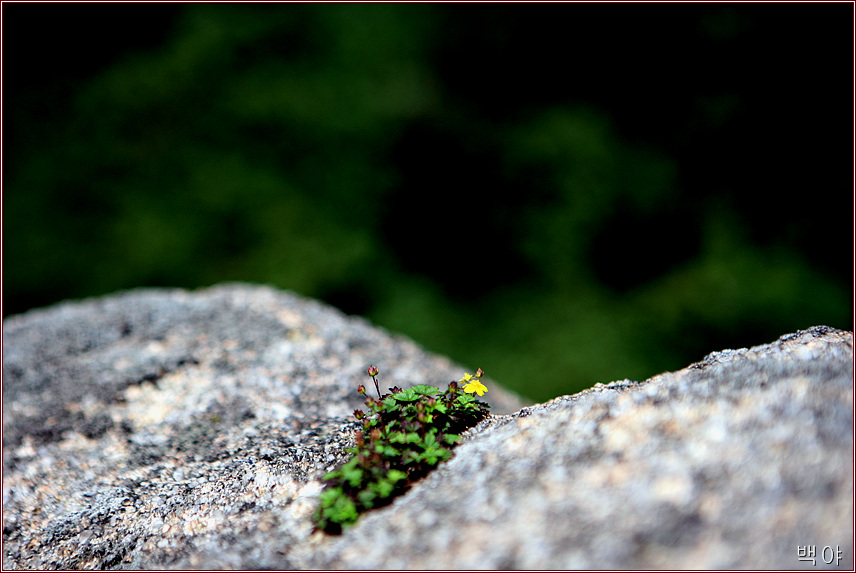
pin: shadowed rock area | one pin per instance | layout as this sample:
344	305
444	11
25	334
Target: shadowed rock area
162	428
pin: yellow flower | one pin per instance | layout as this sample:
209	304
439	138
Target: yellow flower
475	385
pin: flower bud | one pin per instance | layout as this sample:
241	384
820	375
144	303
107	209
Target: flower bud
479	373
361	389
372	371
359	414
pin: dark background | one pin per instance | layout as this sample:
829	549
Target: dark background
561	194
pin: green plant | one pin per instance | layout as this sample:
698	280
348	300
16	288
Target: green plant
406	434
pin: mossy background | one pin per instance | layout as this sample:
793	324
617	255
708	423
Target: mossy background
562	194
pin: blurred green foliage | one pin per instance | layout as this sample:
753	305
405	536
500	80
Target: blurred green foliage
562	194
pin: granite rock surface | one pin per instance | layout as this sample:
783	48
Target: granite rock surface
162	428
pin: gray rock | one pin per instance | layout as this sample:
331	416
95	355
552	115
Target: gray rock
173	429
150	427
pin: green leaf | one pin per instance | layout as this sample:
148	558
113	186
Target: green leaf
425	390
367	497
343	511
407	395
433	457
332	475
328	496
382	488
353	476
395	475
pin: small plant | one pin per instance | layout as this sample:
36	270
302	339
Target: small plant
406	434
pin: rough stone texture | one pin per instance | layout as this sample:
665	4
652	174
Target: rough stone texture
168	429
143	429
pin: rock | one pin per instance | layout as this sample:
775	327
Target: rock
174	429
731	463
141	428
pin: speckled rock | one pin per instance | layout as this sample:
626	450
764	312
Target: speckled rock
173	429
155	426
731	463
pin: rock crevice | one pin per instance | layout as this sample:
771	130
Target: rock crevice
162	428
